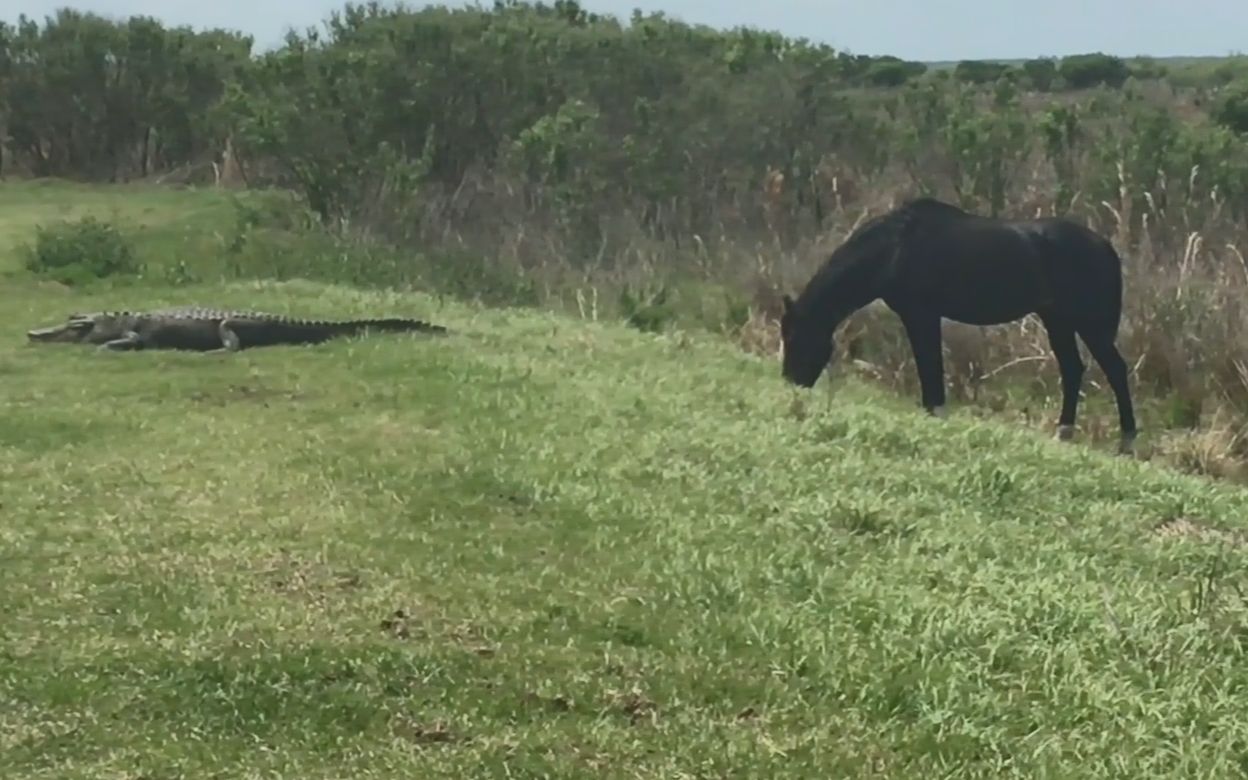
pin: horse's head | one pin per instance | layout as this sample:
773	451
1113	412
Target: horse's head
806	348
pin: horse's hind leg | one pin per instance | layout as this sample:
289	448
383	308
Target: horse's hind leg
1110	360
923	330
1071	367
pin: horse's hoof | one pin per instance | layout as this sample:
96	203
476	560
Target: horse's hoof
1065	432
1126	445
938	412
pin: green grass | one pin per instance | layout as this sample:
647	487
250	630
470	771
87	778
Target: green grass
544	547
169	221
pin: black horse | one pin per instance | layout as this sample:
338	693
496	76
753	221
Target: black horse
928	259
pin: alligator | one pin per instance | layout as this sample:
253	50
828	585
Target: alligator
208	330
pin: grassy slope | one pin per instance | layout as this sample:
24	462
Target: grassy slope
551	547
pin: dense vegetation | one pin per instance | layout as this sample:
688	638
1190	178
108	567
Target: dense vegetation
542	154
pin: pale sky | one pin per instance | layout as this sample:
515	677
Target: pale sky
913	29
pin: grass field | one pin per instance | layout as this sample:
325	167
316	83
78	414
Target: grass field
546	547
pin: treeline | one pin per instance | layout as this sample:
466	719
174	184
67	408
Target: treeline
585	129
89	98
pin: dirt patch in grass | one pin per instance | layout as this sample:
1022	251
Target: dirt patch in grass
634	705
424	734
1185	527
235	393
310	580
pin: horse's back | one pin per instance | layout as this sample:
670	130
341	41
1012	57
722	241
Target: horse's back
984	270
1055	246
1071	253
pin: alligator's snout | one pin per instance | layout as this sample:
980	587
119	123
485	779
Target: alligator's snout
70	331
45	334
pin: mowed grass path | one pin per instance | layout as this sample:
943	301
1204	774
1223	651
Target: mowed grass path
543	547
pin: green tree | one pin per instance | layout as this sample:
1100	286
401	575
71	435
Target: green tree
1231	109
980	71
1081	71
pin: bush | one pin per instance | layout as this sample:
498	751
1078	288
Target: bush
980	71
81	251
1147	68
892	72
1082	71
1040	73
1231	110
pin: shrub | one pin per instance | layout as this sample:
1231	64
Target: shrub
1147	68
1081	71
892	72
980	71
1231	110
1040	73
81	251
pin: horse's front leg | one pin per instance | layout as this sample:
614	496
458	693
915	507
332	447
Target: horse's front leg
923	330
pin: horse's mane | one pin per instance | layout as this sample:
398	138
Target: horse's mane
878	238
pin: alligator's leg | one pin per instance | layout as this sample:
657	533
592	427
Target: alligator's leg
229	339
130	341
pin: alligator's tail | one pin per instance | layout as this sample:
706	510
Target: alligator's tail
393	325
